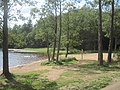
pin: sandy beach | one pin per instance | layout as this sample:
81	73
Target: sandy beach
36	65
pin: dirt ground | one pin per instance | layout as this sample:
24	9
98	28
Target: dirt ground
36	65
52	70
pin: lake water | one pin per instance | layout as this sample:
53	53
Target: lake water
16	59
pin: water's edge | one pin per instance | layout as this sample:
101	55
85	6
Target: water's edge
19	57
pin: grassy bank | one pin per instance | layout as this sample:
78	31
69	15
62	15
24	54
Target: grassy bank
43	50
71	51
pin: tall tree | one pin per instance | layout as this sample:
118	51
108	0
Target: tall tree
59	38
68	34
111	34
55	30
5	40
100	36
69	6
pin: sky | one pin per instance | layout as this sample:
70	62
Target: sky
25	10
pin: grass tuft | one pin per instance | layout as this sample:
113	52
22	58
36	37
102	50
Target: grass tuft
64	61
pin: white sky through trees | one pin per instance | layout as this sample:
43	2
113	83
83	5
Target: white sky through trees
25	11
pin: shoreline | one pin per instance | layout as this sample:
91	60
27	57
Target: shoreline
26	67
34	66
34	62
43	58
22	51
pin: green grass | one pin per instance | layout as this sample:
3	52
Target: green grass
28	81
89	76
63	61
44	50
71	51
35	72
40	50
97	84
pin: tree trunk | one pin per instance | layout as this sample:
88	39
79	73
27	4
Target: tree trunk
94	46
47	40
55	33
115	48
68	34
5	40
59	41
110	48
48	51
100	47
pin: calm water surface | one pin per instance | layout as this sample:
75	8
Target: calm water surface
16	59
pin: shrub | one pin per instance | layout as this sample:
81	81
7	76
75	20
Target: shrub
74	51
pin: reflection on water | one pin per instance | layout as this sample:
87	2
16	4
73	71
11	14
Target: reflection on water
16	59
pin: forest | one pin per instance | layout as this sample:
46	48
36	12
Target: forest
62	26
82	25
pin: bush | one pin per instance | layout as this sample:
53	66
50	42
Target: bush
118	56
74	51
91	51
63	61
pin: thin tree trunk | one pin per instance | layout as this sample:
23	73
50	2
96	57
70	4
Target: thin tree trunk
94	47
100	47
115	48
47	40
55	33
110	48
67	47
48	51
59	41
5	40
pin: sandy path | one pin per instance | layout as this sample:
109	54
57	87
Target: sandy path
115	86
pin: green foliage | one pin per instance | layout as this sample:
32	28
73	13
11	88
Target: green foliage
51	63
91	51
98	84
83	31
74	51
63	61
83	27
118	55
